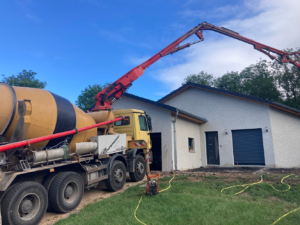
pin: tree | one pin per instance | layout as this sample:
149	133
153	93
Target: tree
86	100
288	77
200	78
230	81
24	79
258	81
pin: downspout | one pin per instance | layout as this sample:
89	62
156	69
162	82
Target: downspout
175	141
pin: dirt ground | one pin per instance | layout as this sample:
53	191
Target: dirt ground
90	196
197	175
246	170
241	174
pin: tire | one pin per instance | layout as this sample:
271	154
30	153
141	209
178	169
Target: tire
117	177
139	169
66	192
47	183
24	204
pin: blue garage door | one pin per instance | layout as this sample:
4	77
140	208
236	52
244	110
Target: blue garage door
248	147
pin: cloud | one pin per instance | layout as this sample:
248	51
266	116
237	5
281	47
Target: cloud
220	12
25	7
34	18
271	22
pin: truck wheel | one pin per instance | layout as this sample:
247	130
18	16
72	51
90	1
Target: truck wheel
24	204
47	183
66	192
139	169
117	177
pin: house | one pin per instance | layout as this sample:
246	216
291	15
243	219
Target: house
237	130
162	135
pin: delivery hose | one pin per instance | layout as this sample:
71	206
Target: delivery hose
261	180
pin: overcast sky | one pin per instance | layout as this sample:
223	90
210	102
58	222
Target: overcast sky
75	43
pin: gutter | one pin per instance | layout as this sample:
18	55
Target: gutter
175	140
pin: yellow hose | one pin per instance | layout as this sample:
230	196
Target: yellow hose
169	183
261	180
283	183
142	197
243	185
249	185
137	209
285	215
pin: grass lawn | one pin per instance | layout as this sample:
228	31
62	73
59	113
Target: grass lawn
201	202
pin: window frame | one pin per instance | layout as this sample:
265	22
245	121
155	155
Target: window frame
193	145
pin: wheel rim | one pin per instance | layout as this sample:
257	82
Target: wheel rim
119	175
140	168
29	206
71	191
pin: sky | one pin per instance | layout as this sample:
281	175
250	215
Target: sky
71	44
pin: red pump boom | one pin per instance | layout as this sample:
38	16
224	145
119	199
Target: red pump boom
114	91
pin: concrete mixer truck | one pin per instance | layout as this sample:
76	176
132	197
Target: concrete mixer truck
50	150
53	173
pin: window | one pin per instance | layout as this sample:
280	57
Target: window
124	122
143	123
191	145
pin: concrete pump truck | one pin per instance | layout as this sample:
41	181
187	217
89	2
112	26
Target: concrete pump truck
50	150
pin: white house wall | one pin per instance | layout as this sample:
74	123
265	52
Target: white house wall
186	129
161	122
286	136
226	112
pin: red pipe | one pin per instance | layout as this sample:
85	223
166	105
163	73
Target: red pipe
53	136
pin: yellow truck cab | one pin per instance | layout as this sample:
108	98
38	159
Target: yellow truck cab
137	127
137	124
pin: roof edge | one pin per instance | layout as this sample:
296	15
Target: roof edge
173	110
230	93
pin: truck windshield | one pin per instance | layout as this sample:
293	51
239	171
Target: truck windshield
143	123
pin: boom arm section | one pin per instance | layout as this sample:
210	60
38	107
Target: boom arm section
114	91
285	56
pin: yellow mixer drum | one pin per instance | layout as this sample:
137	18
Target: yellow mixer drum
50	114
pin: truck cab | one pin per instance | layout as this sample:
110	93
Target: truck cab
136	125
